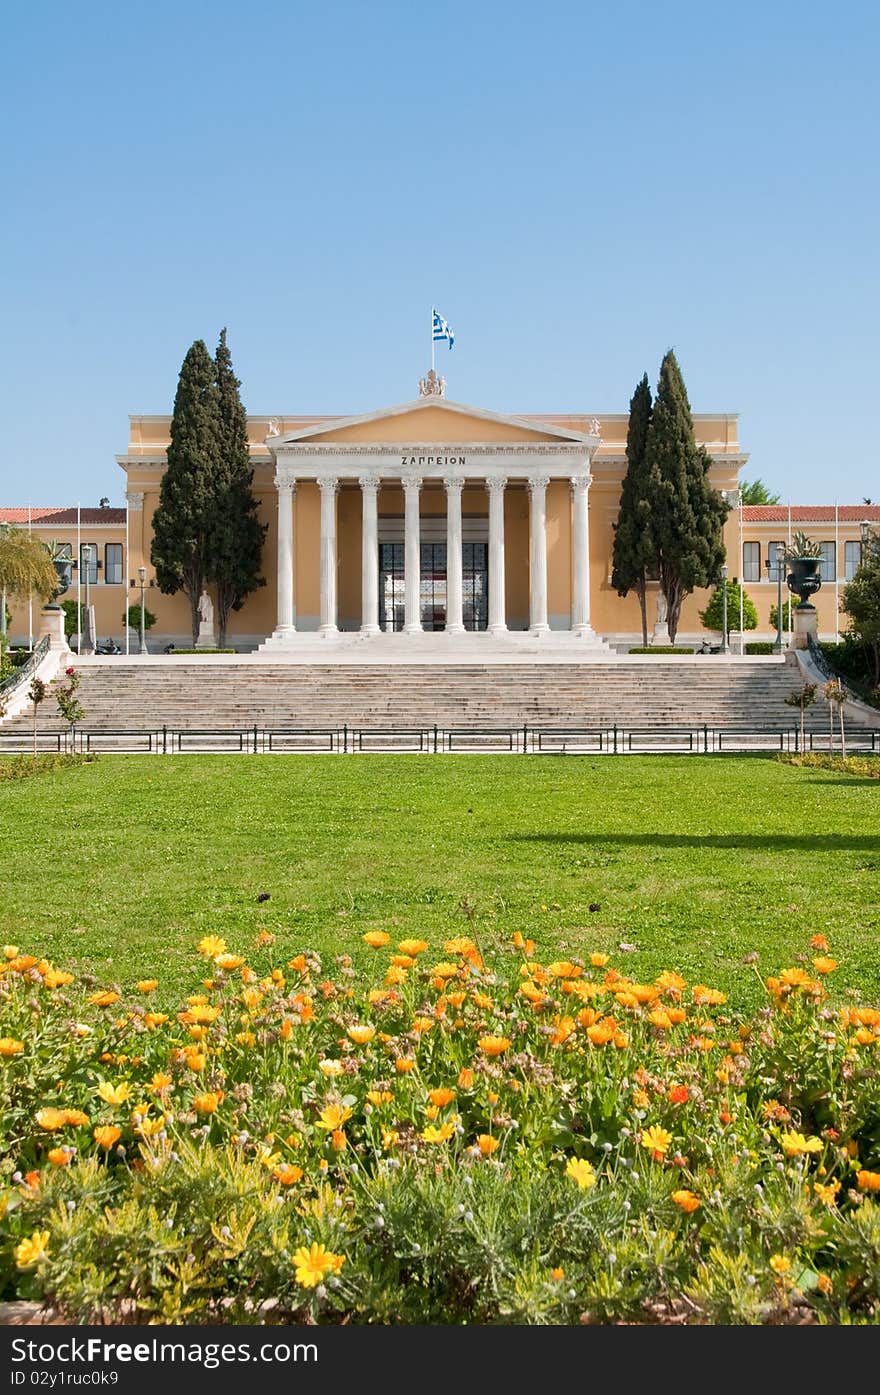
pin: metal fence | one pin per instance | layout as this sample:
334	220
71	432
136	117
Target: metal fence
21	674
617	740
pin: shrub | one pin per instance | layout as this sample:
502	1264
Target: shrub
713	616
660	649
175	650
132	618
23	767
449	1139
760	646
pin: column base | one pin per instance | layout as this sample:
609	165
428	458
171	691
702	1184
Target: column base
541	629
454	630
498	629
412	630
370	630
328	629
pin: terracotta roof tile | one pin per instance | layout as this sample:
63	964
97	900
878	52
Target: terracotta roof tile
63	517
818	513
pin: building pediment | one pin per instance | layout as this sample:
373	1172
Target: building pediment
431	421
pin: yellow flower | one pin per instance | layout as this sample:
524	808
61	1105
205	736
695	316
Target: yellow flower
379	1097
580	1171
390	1137
487	1144
376	939
211	946
331	1068
708	996
439	1134
395	975
32	1250
795	1143
687	1200
460	944
155	1019
779	1264
113	1094
412	947
333	1116
404	1064
827	1192
51	1119
868	1181
444	970
147	985
823	965
10	951
493	1046
657	1140
824	1283
360	1035
200	1014
227	962
599	961
160	1082
208	1102
9	1046
312	1264
106	1135
105	999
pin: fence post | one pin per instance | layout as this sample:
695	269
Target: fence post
164	741
345	739
615	738
435	738
525	740
255	738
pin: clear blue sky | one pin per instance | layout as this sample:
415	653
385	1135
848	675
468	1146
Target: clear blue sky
576	186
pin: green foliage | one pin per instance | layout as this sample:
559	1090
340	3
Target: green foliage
70	708
633	554
175	650
713	616
866	766
187	497
756	492
235	540
760	646
133	618
861	601
802	546
788	608
71	622
14	768
660	649
25	564
687	514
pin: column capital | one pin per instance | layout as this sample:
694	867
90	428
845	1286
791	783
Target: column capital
580	482
369	481
496	484
411	481
284	477
451	482
286	484
328	483
135	499
535	482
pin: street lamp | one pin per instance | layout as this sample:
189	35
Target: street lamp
142	578
780	556
87	568
724	646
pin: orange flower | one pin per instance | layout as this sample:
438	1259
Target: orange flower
147	985
687	1200
105	999
61	1157
487	1144
404	1064
360	1035
868	1181
442	1096
412	947
819	942
465	1078
208	1102
9	1046
493	1046
338	1140
678	1094
823	965
287	1174
376	938
106	1135
599	961
51	1119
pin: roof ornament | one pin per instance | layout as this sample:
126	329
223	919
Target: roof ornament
595	426
274	427
432	385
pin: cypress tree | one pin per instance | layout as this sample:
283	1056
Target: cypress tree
633	548
182	521
236	536
687	514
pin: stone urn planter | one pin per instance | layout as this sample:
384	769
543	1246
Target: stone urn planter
64	571
803	578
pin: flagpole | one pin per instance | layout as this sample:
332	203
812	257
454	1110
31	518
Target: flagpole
78	580
30	593
836	572
432	338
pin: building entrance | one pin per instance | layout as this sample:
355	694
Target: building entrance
432	587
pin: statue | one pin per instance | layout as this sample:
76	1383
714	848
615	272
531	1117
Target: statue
432	385
206	610
661	624
595	426
662	608
274	427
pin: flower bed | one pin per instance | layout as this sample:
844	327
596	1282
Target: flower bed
458	1138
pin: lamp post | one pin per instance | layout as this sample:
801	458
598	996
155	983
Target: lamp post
87	568
724	644
142	578
780	555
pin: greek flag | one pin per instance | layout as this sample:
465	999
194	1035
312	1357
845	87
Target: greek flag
442	330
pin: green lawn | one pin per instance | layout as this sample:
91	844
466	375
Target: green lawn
123	864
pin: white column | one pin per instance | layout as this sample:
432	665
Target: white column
538	554
580	570
328	487
285	623
497	609
369	555
412	614
454	616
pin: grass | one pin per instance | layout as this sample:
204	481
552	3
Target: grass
120	865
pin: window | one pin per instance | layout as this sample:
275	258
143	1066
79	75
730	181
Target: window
852	559
751	561
88	556
773	573
113	564
828	562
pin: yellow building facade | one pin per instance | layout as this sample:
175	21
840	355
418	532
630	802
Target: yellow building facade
433	522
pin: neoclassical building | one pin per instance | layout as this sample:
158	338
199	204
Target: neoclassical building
434	523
